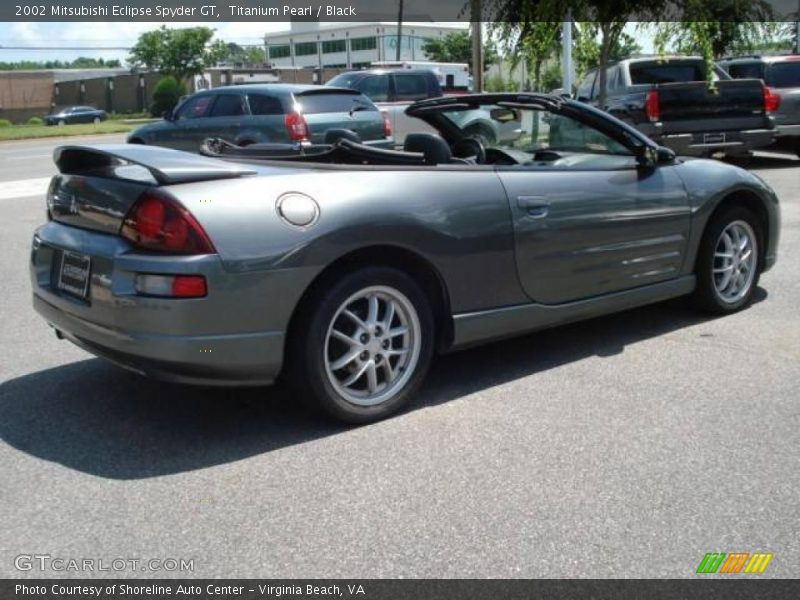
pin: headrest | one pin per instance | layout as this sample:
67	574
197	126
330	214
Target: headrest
433	147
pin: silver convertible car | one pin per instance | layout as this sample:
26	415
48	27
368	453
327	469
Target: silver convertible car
345	268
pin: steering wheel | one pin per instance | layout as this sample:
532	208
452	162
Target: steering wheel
470	147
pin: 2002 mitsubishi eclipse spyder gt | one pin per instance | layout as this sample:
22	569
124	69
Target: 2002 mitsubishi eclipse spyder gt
346	267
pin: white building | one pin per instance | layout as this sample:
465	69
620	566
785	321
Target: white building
351	45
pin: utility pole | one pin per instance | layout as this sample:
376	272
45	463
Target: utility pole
566	53
477	43
399	30
797	30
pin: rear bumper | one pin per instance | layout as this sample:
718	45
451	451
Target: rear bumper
232	336
238	359
699	144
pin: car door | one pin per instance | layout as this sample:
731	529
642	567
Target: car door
265	122
224	119
181	131
593	222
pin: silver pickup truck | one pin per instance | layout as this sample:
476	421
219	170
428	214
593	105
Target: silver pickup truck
782	75
395	90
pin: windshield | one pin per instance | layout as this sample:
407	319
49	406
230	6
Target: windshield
531	130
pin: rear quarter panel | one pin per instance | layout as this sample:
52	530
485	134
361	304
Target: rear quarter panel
457	220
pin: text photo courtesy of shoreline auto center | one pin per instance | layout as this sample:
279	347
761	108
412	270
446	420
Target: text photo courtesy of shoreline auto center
391	299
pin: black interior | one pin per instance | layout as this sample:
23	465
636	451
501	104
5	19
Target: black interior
343	147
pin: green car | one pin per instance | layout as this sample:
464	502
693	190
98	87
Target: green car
267	113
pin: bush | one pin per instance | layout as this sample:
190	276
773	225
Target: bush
5	123
35	121
166	95
496	83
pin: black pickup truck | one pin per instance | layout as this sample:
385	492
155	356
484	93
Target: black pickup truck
669	100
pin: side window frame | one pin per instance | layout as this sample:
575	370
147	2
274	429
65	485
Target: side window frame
190	100
278	102
245	109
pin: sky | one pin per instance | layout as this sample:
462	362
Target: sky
121	34
118	34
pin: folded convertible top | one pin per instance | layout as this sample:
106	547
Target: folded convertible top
165	165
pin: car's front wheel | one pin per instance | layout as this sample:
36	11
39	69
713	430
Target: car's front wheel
364	345
728	261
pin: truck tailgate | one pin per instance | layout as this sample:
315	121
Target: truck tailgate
729	105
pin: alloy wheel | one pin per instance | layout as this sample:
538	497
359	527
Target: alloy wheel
735	261
372	345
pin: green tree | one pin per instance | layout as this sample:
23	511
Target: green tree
181	53
586	48
610	16
530	42
166	95
251	55
720	27
457	47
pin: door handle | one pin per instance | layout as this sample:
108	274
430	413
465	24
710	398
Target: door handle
535	206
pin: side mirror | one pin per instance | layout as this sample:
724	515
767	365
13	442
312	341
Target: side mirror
167	115
664	155
503	115
646	156
563	92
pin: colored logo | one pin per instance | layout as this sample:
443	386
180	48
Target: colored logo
734	562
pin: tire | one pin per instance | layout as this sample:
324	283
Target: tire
350	380
720	289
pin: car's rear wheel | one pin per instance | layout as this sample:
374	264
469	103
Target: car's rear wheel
729	261
364	346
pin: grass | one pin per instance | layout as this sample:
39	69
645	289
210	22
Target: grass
24	132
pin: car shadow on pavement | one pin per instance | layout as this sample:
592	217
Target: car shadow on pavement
96	418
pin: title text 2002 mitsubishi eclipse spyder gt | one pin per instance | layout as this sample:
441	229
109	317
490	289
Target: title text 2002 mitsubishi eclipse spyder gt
346	267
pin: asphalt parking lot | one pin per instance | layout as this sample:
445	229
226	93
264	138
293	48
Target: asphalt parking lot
626	446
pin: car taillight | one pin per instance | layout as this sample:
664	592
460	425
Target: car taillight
651	106
771	100
296	127
387	124
170	286
156	222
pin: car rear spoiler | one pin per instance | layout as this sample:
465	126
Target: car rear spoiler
166	166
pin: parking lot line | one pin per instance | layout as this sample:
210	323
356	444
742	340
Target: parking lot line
24	188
